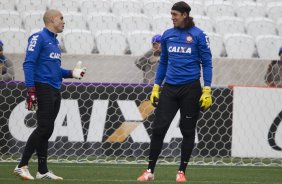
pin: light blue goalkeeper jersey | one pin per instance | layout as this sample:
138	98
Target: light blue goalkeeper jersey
43	60
184	53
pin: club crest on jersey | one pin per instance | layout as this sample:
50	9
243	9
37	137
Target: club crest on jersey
189	39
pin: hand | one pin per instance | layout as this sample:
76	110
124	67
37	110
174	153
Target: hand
206	99
154	98
78	72
31	101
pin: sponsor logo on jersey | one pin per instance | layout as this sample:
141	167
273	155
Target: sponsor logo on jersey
55	55
179	49
32	43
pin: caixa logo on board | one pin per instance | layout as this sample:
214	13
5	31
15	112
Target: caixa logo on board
68	122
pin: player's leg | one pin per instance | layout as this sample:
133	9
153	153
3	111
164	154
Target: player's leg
38	140
189	110
165	112
46	119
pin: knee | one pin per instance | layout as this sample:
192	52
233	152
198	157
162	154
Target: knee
45	132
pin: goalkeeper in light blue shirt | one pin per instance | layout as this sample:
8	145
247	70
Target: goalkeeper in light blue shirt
185	52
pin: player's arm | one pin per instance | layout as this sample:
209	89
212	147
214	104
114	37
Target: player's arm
34	47
206	59
162	67
77	73
160	75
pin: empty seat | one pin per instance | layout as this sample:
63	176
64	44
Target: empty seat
239	45
260	26
64	5
160	23
10	19
102	21
78	41
227	25
268	46
279	27
33	20
121	7
216	44
8	5
31	5
15	40
155	7
111	42
134	22
74	21
204	23
274	10
216	9
196	8
250	9
90	6
140	42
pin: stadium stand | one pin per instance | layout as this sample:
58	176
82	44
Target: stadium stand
140	42
197	8
8	5
64	5
134	22
89	6
214	17
101	21
250	9
239	45
161	22
205	23
83	39
74	20
260	26
156	7
274	10
14	39
267	46
33	20
279	26
227	25
31	5
111	42
216	44
216	9
121	7
10	19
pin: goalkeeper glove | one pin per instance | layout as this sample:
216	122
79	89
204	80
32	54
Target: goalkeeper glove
206	99
31	101
78	71
154	98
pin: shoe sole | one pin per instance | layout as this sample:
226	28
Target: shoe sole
22	177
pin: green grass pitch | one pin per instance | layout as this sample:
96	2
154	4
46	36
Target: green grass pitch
123	173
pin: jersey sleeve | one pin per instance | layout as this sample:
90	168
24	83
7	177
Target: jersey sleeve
162	67
34	47
66	73
206	58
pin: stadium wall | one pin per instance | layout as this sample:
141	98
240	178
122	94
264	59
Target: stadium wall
121	69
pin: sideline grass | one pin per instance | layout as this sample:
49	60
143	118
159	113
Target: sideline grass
122	173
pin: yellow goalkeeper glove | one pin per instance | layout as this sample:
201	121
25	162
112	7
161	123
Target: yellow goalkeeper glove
206	98
154	98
